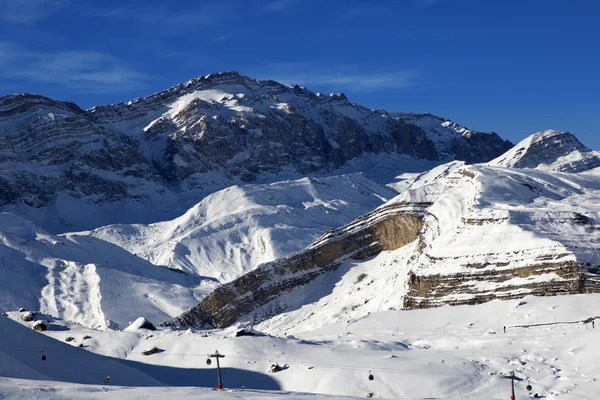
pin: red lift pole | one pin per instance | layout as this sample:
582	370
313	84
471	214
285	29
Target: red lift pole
217	355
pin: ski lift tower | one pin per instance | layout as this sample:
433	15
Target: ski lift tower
512	378
217	355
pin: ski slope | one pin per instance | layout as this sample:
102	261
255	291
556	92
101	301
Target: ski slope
86	280
442	353
115	274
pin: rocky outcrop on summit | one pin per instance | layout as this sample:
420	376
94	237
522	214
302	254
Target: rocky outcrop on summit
387	228
200	136
550	151
246	128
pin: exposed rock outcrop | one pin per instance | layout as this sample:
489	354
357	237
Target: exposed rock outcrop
499	233
539	279
455	142
386	228
482	233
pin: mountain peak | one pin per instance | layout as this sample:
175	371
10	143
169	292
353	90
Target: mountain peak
566	138
550	150
218	78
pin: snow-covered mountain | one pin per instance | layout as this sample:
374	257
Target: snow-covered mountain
460	234
550	151
232	231
155	157
162	269
291	199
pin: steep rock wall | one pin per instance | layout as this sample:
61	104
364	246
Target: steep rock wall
387	228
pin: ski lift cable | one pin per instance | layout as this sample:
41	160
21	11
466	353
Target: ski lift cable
75	349
349	367
324	365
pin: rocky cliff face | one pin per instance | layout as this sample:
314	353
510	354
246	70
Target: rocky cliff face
199	137
48	146
456	142
498	233
387	228
246	127
480	233
541	277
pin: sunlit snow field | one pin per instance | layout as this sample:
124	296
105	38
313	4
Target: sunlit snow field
443	353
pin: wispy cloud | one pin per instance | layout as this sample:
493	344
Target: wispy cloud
341	77
29	11
166	19
278	5
78	71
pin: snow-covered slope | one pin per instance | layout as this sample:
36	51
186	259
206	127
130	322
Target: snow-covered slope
444	353
86	280
498	232
234	230
550	151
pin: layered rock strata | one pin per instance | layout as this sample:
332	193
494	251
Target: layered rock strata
387	228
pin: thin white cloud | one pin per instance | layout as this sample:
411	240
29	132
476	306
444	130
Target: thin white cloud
78	71
278	5
209	14
28	11
342	77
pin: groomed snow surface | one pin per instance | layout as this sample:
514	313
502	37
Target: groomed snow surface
443	353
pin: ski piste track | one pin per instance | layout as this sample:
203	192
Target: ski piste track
446	353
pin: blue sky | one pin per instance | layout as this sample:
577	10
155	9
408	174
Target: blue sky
512	66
